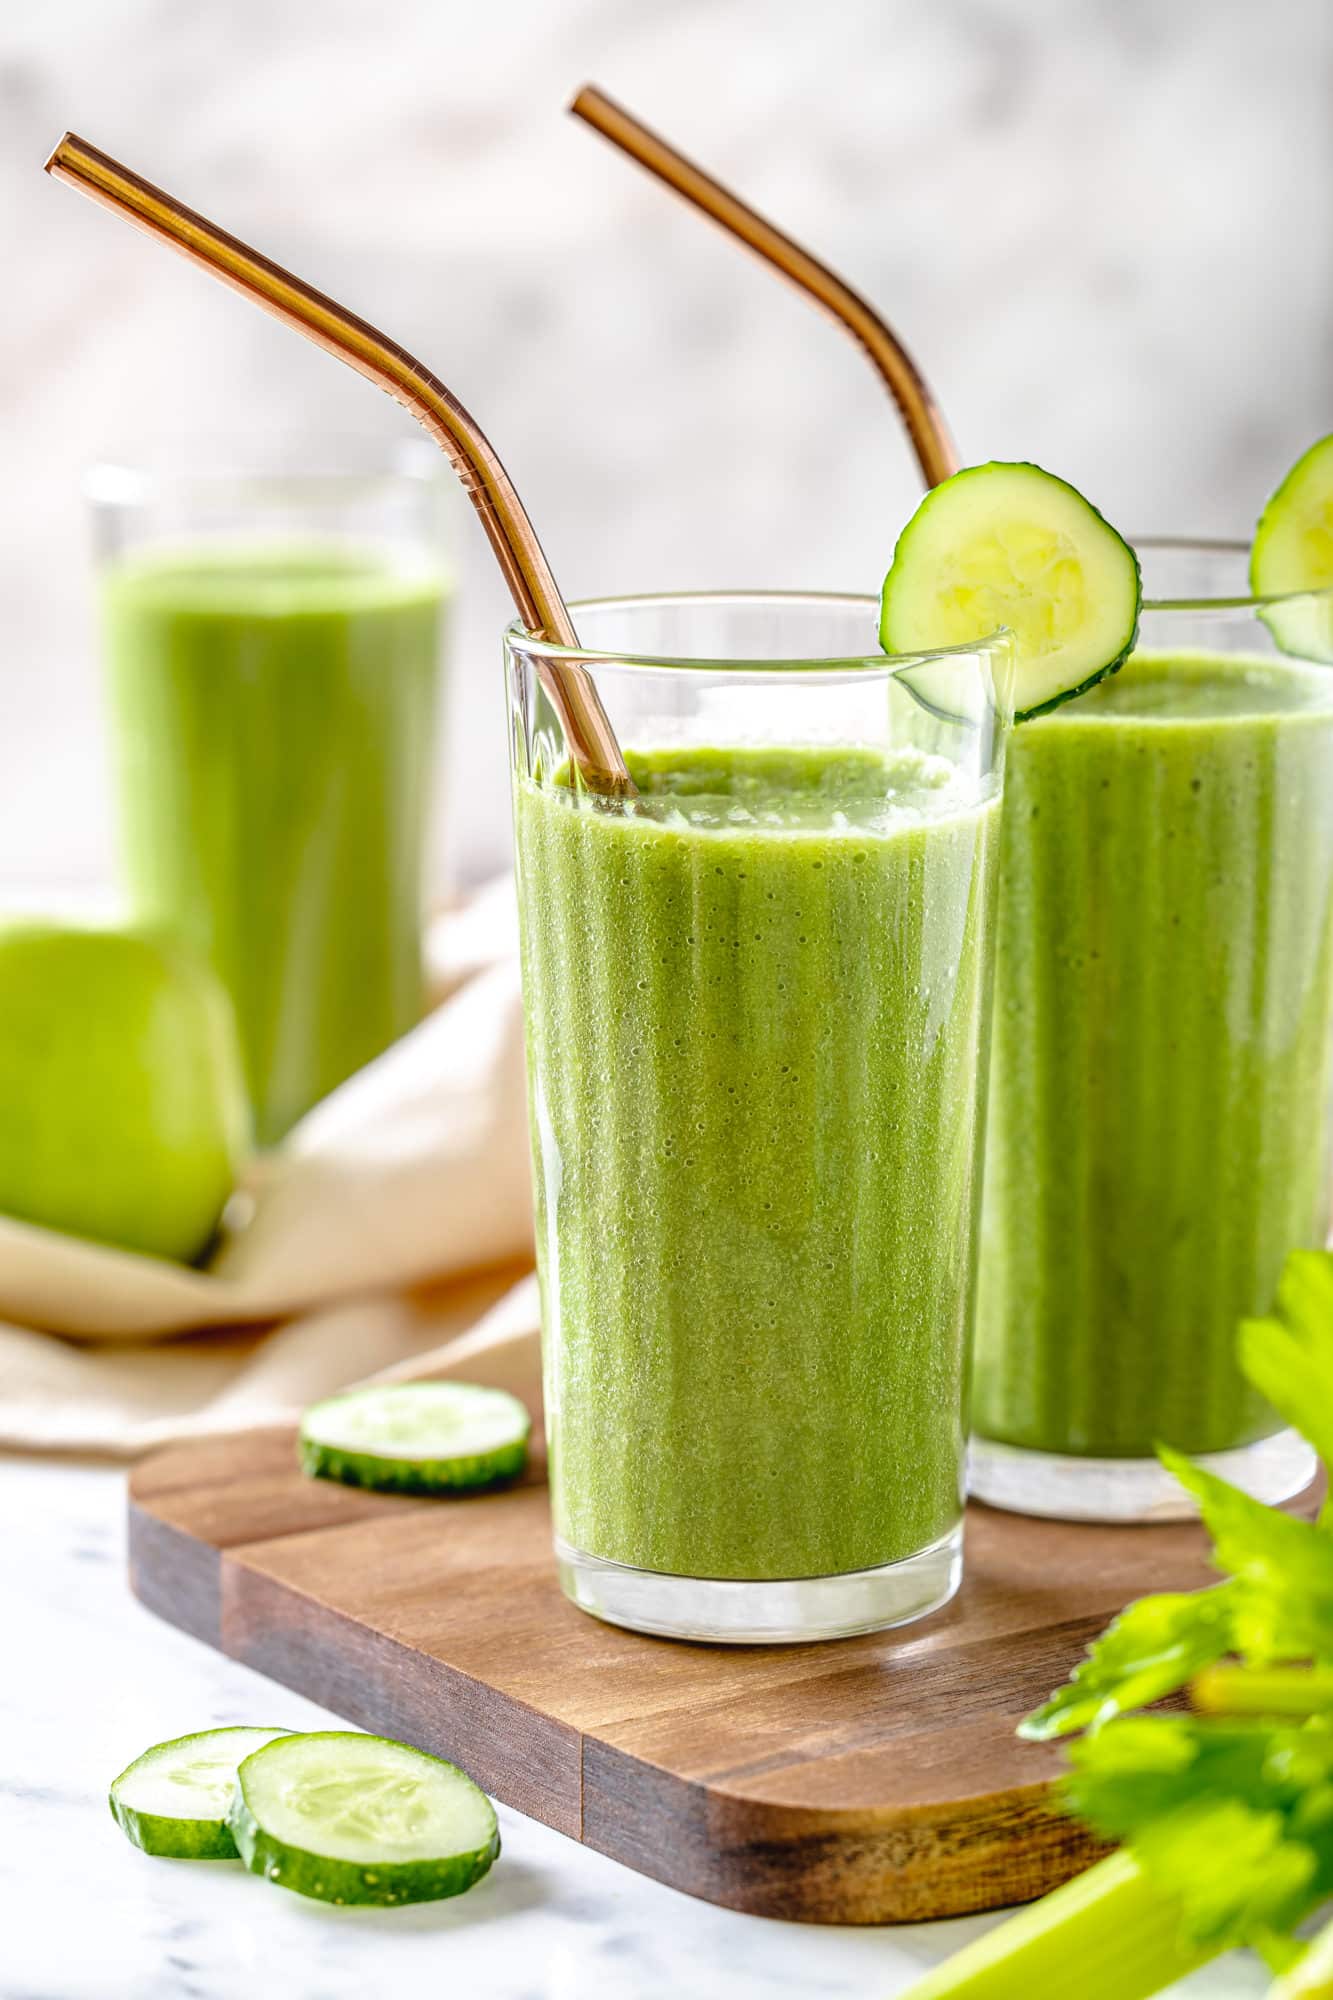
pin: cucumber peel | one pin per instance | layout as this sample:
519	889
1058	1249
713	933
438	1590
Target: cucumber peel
174	1800
416	1437
346	1818
1009	546
1293	555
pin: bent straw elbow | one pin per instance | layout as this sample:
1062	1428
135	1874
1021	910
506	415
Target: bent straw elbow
934	448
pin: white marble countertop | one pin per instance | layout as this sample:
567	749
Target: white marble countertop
88	1679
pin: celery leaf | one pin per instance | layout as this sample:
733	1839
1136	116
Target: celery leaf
1154	1647
1282	1607
1289	1357
1234	1818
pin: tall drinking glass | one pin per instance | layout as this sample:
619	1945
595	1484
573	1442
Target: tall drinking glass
272	637
757	1003
1159	1109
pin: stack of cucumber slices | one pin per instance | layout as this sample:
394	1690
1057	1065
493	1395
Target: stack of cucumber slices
335	1815
1009	547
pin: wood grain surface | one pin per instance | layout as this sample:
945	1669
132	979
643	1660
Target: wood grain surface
868	1780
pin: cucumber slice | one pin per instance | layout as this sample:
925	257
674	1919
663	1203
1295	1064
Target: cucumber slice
1293	553
356	1819
1012	546
417	1437
176	1797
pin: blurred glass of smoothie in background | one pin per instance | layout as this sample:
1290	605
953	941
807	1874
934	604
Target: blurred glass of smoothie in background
272	641
1159	1132
757	1007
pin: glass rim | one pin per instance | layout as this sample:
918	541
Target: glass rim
1206	545
849	666
212	462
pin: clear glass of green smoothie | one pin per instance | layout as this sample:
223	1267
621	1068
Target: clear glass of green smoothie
1159	1127
757	1005
271	629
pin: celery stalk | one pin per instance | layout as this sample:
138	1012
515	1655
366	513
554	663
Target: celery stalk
1297	1691
1107	1935
1312	1976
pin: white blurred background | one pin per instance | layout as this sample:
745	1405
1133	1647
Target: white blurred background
1104	226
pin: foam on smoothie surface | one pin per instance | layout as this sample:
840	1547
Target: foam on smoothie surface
248	580
1187	687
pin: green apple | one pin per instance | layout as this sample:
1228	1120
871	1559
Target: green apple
123	1114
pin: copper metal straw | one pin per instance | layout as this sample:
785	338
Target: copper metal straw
592	743
926	427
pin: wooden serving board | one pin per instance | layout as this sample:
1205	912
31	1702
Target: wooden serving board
869	1780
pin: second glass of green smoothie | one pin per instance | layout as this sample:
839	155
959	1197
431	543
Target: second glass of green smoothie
1159	1132
757	1005
272	636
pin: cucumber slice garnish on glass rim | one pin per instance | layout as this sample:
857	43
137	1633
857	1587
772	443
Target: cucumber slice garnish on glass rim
1008	546
417	1437
347	1818
175	1798
1293	554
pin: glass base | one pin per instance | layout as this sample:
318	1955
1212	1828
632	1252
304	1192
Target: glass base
1060	1488
785	1613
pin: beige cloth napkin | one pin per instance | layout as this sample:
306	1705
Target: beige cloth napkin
378	1239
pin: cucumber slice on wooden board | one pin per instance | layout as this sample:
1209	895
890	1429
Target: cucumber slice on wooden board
347	1818
175	1798
1008	545
417	1437
1293	553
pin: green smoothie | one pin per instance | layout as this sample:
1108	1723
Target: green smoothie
757	1007
1158	1136
274	711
